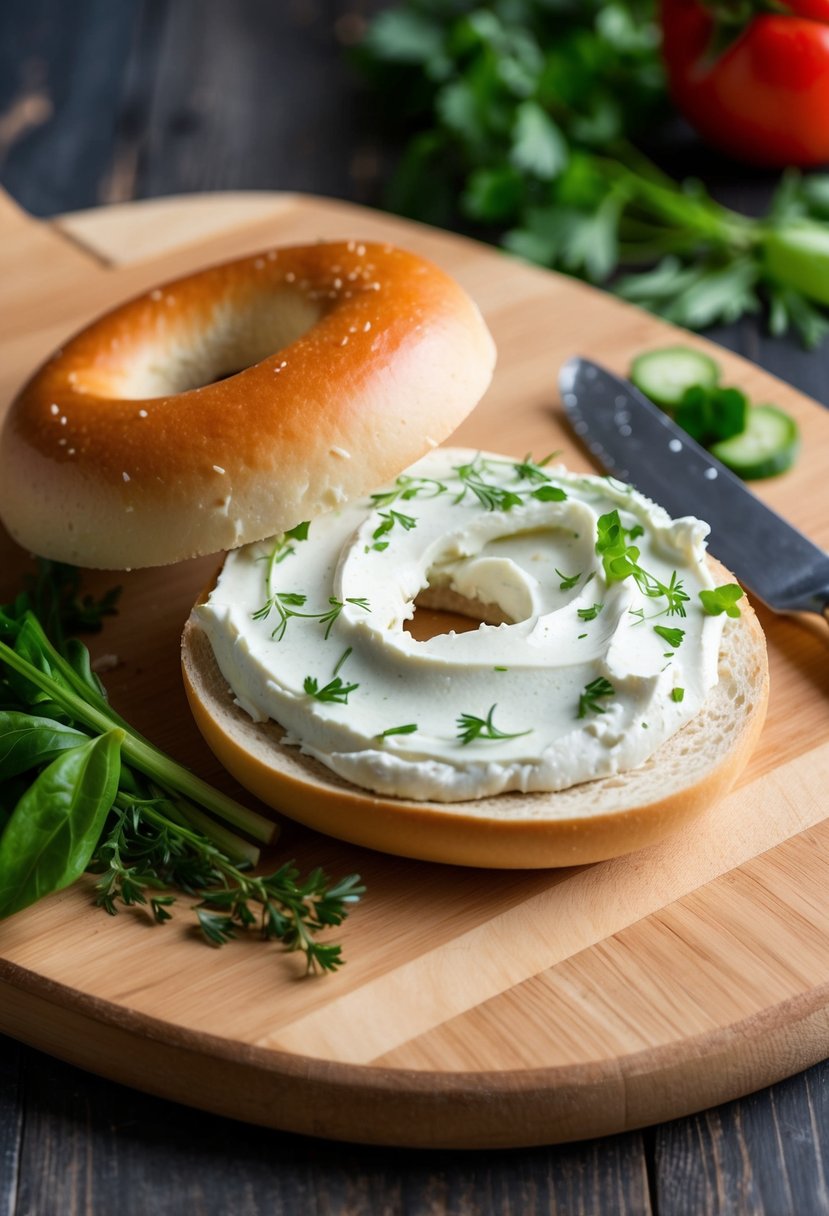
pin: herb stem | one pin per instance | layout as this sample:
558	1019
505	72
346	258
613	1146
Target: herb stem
143	755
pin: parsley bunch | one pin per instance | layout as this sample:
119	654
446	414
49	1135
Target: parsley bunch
522	119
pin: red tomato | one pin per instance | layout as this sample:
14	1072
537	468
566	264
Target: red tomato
764	98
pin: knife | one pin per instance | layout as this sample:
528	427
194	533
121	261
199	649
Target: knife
637	442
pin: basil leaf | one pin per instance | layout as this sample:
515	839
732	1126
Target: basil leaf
77	656
53	830
27	741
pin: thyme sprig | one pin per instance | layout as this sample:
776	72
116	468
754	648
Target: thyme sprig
283	548
145	854
406	488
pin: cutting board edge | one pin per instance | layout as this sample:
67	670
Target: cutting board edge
394	1107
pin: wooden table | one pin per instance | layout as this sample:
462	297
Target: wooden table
106	100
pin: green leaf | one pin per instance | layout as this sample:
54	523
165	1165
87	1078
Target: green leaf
405	36
538	146
672	636
722	599
27	741
53	830
493	194
549	494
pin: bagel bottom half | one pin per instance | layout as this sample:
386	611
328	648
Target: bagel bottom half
588	822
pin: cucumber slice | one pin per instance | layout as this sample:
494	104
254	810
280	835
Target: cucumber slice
769	444
665	375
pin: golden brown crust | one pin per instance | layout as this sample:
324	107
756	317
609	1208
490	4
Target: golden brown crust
378	356
508	831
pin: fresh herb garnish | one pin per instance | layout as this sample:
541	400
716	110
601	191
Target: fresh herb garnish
567	580
722	599
86	791
489	495
549	494
530	470
390	518
408	729
621	561
589	699
590	614
407	488
471	728
672	636
335	691
677	694
285	603
283	548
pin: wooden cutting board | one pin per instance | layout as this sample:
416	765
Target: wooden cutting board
477	1008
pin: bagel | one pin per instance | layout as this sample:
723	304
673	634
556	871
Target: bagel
587	822
233	403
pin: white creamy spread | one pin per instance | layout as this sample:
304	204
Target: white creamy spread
589	679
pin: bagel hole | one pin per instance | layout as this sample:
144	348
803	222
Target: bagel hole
438	610
234	338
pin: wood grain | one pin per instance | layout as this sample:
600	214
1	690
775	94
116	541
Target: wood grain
462	988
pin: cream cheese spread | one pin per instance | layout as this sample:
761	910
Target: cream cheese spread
604	651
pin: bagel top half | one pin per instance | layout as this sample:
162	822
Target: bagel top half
231	404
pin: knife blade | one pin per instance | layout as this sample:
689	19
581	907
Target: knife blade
637	442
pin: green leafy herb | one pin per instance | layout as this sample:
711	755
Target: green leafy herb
523	119
530	470
283	548
489	495
635	532
590	614
589	701
621	561
408	729
722	599
82	789
567	580
672	636
52	832
389	519
407	488
336	690
471	728
144	854
677	694
549	494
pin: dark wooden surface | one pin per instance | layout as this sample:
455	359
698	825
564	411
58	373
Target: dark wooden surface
107	100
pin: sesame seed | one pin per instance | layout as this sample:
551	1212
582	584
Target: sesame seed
54	409
284	363
142	414
63	420
71	452
361	249
344	341
217	468
352	329
155	295
62	443
338	283
341	452
367	327
125	476
290	276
